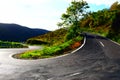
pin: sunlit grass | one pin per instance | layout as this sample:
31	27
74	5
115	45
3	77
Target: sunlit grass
52	50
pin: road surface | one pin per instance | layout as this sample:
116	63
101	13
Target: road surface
98	59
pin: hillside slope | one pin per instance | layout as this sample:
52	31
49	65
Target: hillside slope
54	37
104	22
15	32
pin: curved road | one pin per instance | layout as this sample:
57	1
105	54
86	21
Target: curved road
98	59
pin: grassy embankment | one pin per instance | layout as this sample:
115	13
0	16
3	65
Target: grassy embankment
55	45
6	44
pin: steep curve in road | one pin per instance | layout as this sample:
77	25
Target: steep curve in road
98	59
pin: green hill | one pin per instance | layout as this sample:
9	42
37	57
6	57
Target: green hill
51	38
104	22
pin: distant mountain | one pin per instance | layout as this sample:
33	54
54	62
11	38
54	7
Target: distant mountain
15	32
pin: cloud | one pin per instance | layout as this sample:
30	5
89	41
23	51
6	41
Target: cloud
101	2
98	2
31	13
37	13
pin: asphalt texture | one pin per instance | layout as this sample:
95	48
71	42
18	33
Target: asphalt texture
98	59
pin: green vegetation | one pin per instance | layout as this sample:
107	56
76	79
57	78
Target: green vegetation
53	50
103	22
5	44
76	20
51	38
71	18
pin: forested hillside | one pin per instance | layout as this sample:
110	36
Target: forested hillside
104	22
14	32
54	37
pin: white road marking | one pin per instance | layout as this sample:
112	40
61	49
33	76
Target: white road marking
115	42
74	74
102	44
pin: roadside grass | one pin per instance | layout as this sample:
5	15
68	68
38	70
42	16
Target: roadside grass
6	44
52	51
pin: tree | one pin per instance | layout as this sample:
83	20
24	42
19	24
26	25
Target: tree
75	11
115	6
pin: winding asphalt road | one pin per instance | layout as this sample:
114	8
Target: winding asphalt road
98	59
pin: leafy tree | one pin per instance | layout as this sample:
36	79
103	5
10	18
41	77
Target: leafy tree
71	18
115	6
74	13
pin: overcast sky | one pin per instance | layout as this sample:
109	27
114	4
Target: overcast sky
41	13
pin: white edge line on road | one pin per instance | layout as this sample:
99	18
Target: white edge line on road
72	51
74	74
80	46
53	57
114	42
102	44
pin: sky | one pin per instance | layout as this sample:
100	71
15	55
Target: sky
44	14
